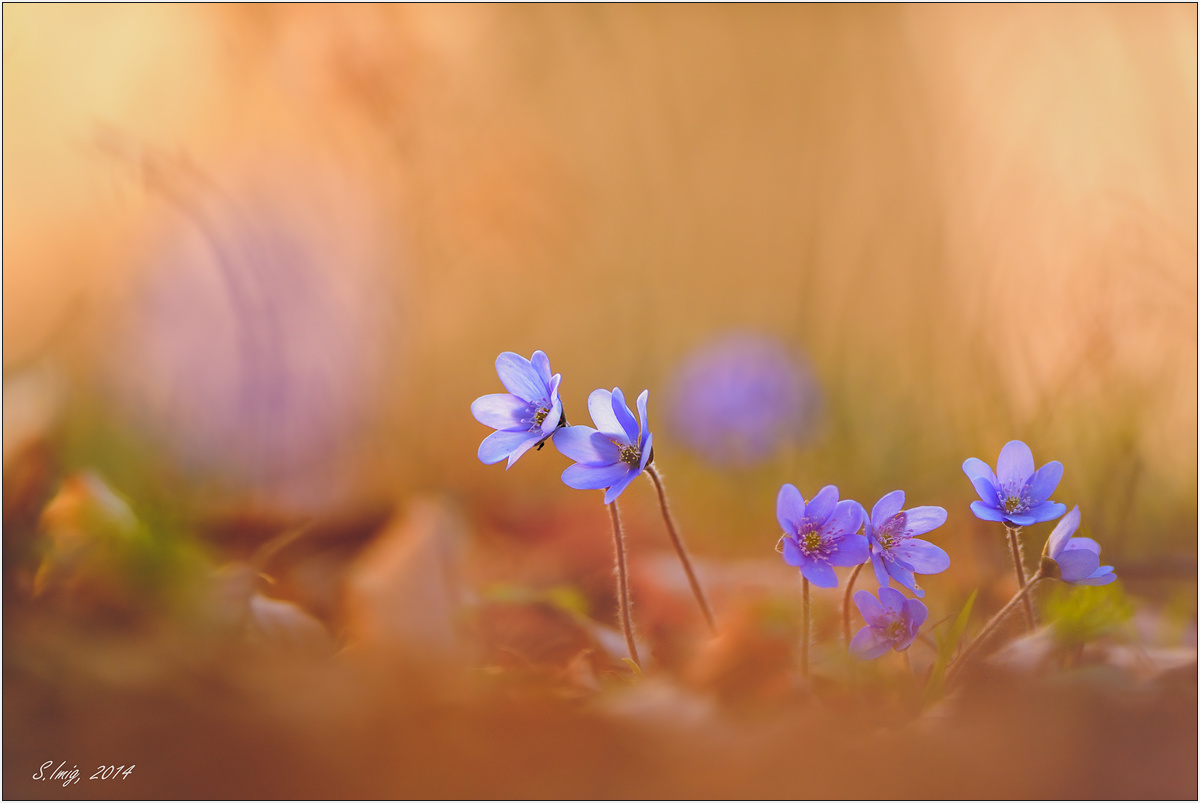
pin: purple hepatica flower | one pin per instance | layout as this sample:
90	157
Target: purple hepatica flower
892	622
895	552
820	534
1078	559
1016	494
526	415
612	455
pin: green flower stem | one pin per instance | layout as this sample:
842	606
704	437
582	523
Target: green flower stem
624	603
680	549
1018	556
993	624
805	627
846	603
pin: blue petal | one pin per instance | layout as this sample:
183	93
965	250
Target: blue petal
520	378
1046	511
819	574
642	399
647	447
981	476
887	507
902	574
881	575
924	557
1062	533
789	508
792	555
1020	519
1043	483
555	414
920	520
1101	577
892	600
847	519
1079	542
850	551
1077	564
501	411
534	439
868	606
986	512
588	478
624	416
821	506
601	409
541	364
1015	465
587	446
867	644
499	445
620	485
916	613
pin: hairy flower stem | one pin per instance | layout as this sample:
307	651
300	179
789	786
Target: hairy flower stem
805	627
680	549
846	603
993	624
1018	556
623	601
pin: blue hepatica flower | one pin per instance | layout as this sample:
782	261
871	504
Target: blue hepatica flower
821	533
892	622
612	455
526	415
1078	559
895	551
1016	494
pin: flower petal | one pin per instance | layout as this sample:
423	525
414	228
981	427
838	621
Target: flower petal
588	478
821	506
499	445
887	507
847	519
1062	532
986	512
792	555
916	613
1077	564
1046	511
534	439
892	600
1079	542
520	378
1020	519
554	416
881	575
789	508
541	364
850	551
624	416
601	409
922	556
868	606
586	446
642	399
981	476
646	448
501	411
868	644
819	574
902	573
1101	577
1043	483
620	485
920	520
1015	465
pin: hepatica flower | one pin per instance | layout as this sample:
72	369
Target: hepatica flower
526	415
1078	558
1016	494
892	622
612	455
896	552
821	533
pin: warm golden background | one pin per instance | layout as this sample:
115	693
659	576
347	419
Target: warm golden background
258	261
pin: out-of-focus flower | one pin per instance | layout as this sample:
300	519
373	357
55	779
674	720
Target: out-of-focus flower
612	455
821	533
526	415
739	398
895	551
1078	558
892	622
1015	494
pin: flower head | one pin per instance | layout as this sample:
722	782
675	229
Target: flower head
1016	494
612	455
895	551
526	415
892	622
821	533
1078	559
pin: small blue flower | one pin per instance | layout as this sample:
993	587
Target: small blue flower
892	622
895	553
526	415
612	455
1078	559
1016	494
821	533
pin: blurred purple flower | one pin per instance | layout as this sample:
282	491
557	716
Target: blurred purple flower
737	399
1016	494
612	455
821	533
895	552
1078	559
526	415
892	622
